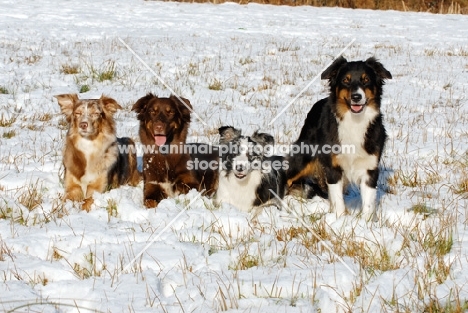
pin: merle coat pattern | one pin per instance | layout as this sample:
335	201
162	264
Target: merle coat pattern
248	174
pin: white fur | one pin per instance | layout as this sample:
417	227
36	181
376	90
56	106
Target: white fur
242	158
88	148
98	160
167	187
238	192
363	95
351	131
335	194
368	196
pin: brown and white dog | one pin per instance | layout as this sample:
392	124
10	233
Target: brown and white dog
164	124
91	156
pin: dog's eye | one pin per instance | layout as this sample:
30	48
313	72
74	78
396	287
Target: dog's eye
77	114
346	80
95	115
365	80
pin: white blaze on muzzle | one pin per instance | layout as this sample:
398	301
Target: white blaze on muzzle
358	100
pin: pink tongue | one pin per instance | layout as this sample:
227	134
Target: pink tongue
356	108
160	140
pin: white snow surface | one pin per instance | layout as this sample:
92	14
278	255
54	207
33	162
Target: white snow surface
239	65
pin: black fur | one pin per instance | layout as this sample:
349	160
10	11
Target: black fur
273	177
124	166
349	82
206	176
275	180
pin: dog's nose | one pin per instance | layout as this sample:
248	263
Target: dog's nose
158	128
356	97
84	125
240	167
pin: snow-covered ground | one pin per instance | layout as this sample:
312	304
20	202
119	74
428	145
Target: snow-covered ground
239	66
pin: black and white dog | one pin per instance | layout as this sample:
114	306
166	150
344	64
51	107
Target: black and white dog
350	117
248	170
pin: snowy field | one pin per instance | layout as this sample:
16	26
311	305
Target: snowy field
239	66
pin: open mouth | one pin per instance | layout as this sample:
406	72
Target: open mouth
160	140
240	175
357	108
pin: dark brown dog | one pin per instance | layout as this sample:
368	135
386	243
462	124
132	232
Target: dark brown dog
164	124
92	158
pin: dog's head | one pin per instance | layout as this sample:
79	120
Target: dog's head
88	117
162	120
355	85
242	154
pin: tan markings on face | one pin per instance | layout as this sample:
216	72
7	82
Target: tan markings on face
341	107
370	96
343	94
347	79
149	125
153	111
364	78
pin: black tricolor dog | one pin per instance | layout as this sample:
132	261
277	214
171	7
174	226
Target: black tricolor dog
347	127
248	171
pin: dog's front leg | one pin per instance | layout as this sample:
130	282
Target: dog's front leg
153	193
99	185
185	182
74	191
335	194
369	194
335	190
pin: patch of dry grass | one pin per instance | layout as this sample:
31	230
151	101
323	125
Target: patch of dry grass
436	6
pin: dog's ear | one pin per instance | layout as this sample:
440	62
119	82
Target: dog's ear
263	139
67	102
228	134
109	105
331	72
184	107
140	106
379	69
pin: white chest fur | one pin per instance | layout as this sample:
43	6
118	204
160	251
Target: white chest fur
352	129
239	193
99	156
90	150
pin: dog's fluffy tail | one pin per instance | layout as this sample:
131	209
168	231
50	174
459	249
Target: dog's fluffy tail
125	169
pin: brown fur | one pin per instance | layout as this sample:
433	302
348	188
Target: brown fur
166	174
91	156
